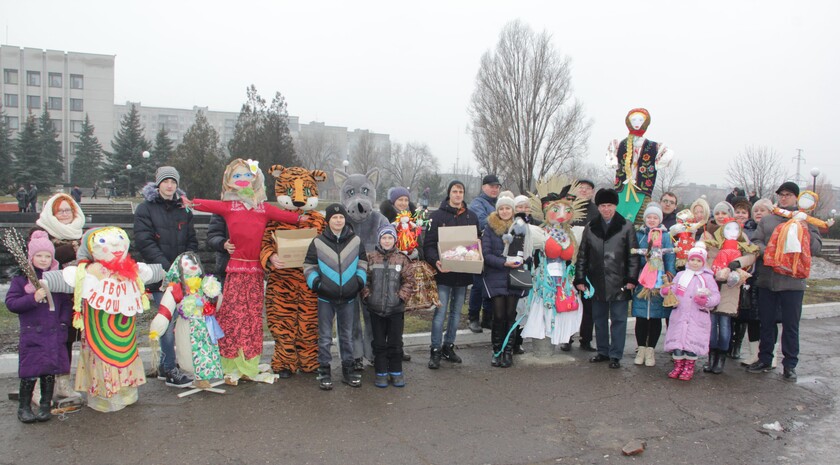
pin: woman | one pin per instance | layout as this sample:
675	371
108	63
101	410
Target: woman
749	298
399	199
64	222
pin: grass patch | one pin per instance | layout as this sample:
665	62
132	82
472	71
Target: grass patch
820	291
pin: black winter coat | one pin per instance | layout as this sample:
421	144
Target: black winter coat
442	217
217	235
604	257
163	229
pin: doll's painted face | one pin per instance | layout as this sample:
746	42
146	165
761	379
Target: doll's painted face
731	231
558	213
109	244
42	260
637	120
806	202
694	264
189	267
240	178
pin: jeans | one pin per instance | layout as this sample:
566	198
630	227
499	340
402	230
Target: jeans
610	327
721	332
769	305
451	298
167	341
343	313
387	342
362	332
478	300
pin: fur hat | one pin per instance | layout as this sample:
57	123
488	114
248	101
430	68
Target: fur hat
335	209
505	199
606	196
699	251
166	172
653	208
398	192
724	206
40	241
386	229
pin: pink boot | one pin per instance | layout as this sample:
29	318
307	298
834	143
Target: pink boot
678	368
688	370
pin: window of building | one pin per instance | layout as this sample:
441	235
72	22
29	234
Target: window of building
33	102
10	76
55	79
33	78
12	122
74	147
76	104
54	103
77	81
56	124
76	125
10	100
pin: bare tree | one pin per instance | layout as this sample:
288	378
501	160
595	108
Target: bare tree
757	168
408	163
317	149
667	179
524	119
828	198
367	155
578	168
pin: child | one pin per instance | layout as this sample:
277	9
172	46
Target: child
390	285
43	332
688	332
336	269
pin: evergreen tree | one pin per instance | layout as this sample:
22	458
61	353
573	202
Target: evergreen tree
27	150
7	175
50	162
262	132
163	150
87	166
201	160
127	149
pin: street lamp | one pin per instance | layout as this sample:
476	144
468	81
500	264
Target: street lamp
814	173
345	163
128	180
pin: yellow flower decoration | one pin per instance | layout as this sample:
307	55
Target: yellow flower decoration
193	283
254	165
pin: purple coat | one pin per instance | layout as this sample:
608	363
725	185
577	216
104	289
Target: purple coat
690	326
43	333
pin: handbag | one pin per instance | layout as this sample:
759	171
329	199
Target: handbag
520	279
567	303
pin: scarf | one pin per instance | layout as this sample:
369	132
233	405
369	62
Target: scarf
685	279
57	229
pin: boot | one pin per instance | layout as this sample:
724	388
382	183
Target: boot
753	345
688	370
678	368
707	367
434	359
47	388
496	338
324	378
640	356
24	414
517	345
738	332
350	377
649	360
448	352
507	357
64	389
719	363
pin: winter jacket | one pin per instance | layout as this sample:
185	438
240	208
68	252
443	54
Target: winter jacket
43	333
495	274
389	211
335	267
21	198
690	325
390	282
669	219
32	196
651	306
217	235
767	277
482	206
604	257
445	216
163	229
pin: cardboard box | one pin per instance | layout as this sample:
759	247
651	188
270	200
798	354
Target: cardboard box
453	236
292	245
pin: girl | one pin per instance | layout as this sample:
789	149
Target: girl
688	333
742	208
749	303
43	332
658	266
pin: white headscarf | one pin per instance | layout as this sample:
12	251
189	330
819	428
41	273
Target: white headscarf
57	229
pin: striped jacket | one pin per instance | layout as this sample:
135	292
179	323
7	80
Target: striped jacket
336	267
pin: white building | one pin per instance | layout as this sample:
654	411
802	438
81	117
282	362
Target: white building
71	84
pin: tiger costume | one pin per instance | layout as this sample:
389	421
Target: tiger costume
291	308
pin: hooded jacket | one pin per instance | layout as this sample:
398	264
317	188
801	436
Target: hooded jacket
445	216
390	282
604	257
335	267
163	229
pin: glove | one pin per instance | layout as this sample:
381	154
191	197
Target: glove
734	265
665	290
701	300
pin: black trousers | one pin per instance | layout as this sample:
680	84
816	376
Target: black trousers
586	323
789	303
648	331
387	342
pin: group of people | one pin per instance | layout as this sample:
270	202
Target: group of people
560	262
27	199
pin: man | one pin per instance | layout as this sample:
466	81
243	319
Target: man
482	206
163	229
735	192
778	292
605	260
753	197
76	193
585	190
32	198
668	203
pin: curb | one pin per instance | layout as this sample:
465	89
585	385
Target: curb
465	337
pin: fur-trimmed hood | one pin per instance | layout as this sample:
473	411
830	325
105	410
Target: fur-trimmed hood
498	225
152	194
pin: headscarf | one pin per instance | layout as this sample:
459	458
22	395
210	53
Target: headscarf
57	229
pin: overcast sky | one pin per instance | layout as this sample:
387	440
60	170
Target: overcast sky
715	78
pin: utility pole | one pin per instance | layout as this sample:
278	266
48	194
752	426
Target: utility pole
799	159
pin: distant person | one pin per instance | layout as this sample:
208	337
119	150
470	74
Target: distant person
76	193
753	197
95	190
32	198
21	199
735	192
425	198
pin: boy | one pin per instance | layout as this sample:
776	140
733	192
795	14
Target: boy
389	272
336	269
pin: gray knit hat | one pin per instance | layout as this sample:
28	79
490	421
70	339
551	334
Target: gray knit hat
166	172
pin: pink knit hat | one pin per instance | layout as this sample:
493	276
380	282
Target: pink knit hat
40	241
699	251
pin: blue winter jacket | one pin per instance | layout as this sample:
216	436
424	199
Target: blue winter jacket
651	306
482	206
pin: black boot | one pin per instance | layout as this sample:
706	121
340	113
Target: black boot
720	361
27	385
324	378
434	359
47	388
738	331
448	353
497	336
507	357
713	354
350	376
517	345
496	361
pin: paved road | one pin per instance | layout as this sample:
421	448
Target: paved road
574	412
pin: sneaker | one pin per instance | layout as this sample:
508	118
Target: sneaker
175	378
759	367
359	364
448	353
381	380
790	374
397	379
475	326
